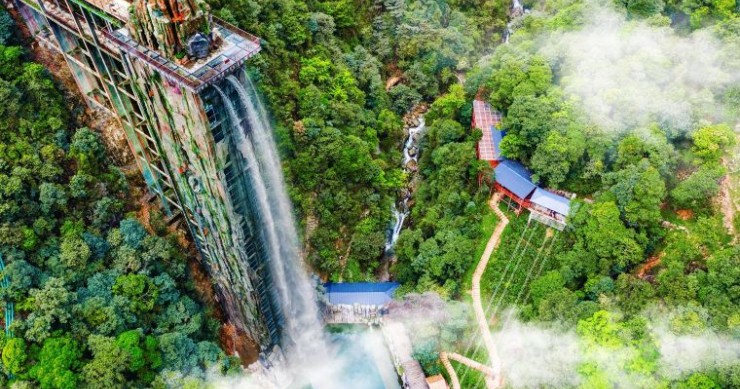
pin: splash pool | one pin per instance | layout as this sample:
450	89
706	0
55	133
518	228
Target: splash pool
364	357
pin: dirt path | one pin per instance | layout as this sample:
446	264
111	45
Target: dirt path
492	374
729	196
643	271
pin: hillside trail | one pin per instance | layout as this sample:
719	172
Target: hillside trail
492	373
729	196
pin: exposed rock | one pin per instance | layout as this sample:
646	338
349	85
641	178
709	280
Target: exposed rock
411	166
405	193
413	151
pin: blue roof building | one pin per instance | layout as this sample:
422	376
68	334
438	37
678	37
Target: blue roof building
362	293
496	136
551	201
515	178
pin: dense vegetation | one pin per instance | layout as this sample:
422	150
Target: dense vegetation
324	73
650	191
323	70
99	301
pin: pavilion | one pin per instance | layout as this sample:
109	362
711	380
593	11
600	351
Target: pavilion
511	177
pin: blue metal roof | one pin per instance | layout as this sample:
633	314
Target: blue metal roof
363	293
551	201
515	177
497	135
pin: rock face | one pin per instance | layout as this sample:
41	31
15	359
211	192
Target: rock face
167	25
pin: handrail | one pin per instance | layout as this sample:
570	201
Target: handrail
236	30
9	306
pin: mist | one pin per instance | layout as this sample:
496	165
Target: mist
539	355
627	74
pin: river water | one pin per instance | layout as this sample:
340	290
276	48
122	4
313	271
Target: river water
410	164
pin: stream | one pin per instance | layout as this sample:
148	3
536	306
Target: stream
410	165
517	10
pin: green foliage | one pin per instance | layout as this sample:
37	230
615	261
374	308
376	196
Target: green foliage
6	28
639	191
58	363
15	356
697	190
448	206
90	287
711	141
138	289
603	244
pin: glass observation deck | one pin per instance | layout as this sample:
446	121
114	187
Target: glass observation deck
237	47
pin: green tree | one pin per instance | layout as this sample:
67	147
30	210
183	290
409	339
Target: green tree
87	149
639	191
51	307
15	356
106	368
142	353
711	141
553	159
138	289
697	191
601	235
178	351
57	364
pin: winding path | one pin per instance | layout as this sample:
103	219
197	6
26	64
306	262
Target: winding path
492	373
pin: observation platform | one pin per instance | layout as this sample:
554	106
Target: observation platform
236	48
116	8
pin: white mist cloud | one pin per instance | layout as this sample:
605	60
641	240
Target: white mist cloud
535	356
628	74
687	353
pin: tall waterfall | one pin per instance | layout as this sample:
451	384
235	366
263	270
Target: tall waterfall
305	345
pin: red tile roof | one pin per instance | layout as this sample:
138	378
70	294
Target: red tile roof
485	118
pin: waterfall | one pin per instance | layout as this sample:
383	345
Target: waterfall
305	345
401	208
517	10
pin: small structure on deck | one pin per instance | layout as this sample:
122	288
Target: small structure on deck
549	208
358	302
512	178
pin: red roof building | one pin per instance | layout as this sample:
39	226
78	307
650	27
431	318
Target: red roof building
488	121
511	177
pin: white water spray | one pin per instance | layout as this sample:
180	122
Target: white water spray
305	344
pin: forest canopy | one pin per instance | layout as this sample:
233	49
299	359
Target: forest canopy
99	301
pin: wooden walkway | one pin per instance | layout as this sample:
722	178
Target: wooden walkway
492	373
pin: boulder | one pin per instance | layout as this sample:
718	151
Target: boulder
411	166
